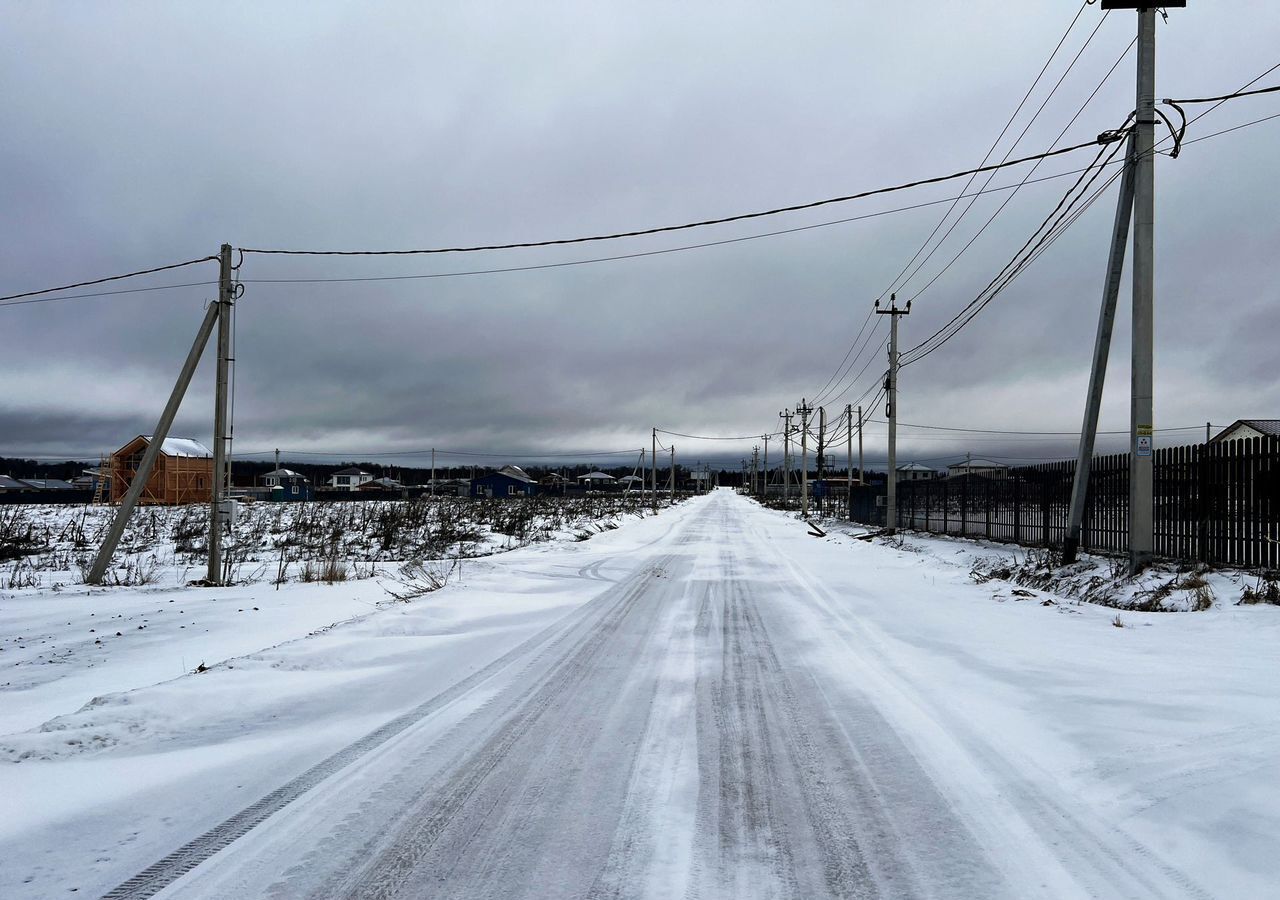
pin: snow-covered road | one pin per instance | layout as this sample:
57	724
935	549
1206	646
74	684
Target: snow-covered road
706	704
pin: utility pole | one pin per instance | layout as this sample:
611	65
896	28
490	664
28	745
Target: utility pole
861	476
653	471
786	455
822	455
1101	351
673	473
1141	412
848	454
804	411
433	471
765	485
220	423
755	470
891	410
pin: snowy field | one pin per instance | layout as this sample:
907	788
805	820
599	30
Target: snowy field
708	702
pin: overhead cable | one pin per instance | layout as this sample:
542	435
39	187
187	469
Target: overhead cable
1047	232
439	451
1021	103
705	437
1104	138
1232	96
1026	178
80	284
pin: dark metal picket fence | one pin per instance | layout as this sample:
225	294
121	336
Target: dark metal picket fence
1214	503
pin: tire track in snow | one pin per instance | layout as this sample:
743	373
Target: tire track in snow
173	866
451	831
1097	857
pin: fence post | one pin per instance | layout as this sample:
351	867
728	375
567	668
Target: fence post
1017	508
1208	454
946	511
1044	509
987	505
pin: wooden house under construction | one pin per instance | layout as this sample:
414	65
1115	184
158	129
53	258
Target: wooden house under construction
183	471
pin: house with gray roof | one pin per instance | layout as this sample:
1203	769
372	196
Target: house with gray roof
1246	429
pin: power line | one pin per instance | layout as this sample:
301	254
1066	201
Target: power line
534	267
439	451
588	261
826	395
79	284
1020	261
1037	433
1232	96
1013	193
1239	92
836	374
705	437
1052	56
158	287
1051	236
1104	138
1026	178
1235	128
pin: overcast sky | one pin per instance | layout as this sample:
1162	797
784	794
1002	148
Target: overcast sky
140	134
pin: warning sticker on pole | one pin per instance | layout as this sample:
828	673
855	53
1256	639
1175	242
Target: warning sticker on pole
1143	443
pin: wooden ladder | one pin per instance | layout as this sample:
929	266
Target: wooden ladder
102	487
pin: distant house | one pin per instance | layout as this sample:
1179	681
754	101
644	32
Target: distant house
349	479
553	480
88	479
8	485
49	484
509	481
183	472
916	472
449	487
386	486
988	468
635	482
596	480
1245	429
287	485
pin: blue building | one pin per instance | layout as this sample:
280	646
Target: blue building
287	485
509	481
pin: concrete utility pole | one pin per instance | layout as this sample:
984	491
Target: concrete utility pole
891	410
1101	351
433	471
1141	412
653	471
765	484
755	470
673	473
152	453
861	476
848	454
220	421
804	411
786	455
822	451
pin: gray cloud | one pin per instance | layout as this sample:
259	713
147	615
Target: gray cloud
145	133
